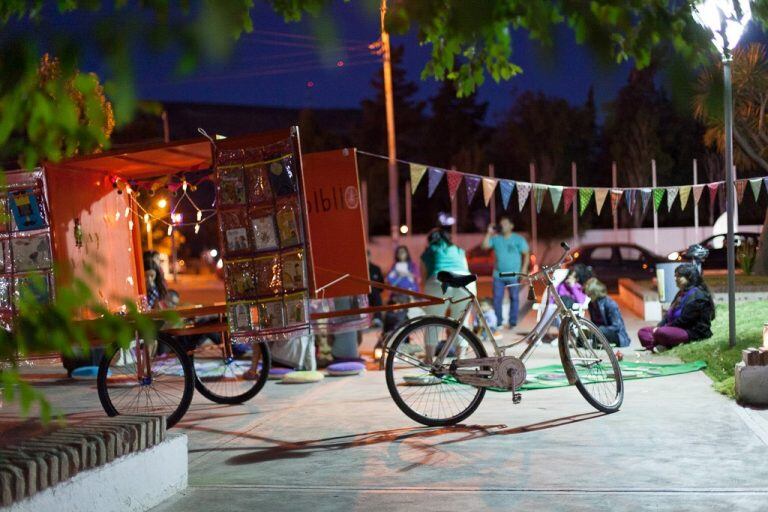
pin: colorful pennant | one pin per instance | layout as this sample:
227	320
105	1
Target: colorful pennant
417	172
712	194
454	180
433	179
658	195
471	183
698	190
555	193
600	195
741	186
539	191
585	196
506	187
671	196
757	185
685	193
523	191
489	185
569	194
645	196
616	194
630	197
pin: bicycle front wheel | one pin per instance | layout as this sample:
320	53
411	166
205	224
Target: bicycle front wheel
166	389
431	397
231	373
589	358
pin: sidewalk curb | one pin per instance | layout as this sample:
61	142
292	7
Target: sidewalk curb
754	421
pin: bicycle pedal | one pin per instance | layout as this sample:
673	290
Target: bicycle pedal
517	398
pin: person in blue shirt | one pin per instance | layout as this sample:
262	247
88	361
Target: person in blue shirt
512	255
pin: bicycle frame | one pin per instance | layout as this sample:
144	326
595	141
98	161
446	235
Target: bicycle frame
533	338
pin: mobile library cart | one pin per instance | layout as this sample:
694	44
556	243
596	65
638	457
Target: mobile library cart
290	234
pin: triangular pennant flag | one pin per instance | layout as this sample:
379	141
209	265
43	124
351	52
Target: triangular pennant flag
658	195
523	191
645	196
685	193
433	179
671	196
471	183
569	194
630	197
757	185
600	195
454	180
712	194
417	172
555	193
741	186
697	191
616	194
585	196
506	187
539	192
489	186
765	180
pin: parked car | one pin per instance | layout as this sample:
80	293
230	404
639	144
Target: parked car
716	260
481	261
611	261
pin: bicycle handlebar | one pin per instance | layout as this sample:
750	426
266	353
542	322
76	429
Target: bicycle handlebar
566	249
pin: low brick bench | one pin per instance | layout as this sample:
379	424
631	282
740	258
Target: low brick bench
48	460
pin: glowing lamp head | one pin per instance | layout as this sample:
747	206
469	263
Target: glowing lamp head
725	19
404	229
162	203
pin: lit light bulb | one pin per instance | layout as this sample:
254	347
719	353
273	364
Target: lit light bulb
197	228
130	225
170	230
146	218
117	216
184	185
199	215
127	211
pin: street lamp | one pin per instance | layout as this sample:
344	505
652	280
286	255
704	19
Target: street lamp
726	20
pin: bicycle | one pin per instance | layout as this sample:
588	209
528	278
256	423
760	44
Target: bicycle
455	370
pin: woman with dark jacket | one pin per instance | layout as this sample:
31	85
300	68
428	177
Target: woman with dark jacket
689	316
605	313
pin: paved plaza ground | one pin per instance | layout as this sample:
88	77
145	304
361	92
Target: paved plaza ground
342	444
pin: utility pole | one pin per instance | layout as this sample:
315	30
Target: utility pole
394	203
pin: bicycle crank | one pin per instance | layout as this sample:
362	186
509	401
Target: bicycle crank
499	372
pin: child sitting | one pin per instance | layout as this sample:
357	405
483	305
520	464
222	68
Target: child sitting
489	314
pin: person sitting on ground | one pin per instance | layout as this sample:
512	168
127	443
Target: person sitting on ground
404	272
583	273
605	313
570	290
689	316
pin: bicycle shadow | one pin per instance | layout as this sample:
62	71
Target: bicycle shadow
427	438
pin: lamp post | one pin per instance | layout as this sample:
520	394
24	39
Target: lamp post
726	19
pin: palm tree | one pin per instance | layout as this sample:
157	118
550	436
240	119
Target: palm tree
750	119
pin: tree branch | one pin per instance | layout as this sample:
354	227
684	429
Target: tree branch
749	150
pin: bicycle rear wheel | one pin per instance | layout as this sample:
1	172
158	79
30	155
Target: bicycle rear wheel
589	358
166	390
428	397
231	373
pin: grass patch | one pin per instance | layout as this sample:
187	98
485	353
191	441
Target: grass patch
720	358
720	281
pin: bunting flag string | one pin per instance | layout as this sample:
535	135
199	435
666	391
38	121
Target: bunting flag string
506	187
471	183
433	179
585	196
671	196
555	193
567	195
600	195
454	180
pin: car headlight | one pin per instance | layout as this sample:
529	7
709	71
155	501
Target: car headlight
673	256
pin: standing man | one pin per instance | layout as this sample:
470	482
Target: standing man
512	255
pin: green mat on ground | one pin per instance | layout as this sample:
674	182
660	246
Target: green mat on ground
553	376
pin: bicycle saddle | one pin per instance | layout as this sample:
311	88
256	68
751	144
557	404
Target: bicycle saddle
452	280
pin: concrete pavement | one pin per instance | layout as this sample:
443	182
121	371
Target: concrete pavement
342	444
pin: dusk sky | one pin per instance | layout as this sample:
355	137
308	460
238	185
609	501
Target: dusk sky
273	66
